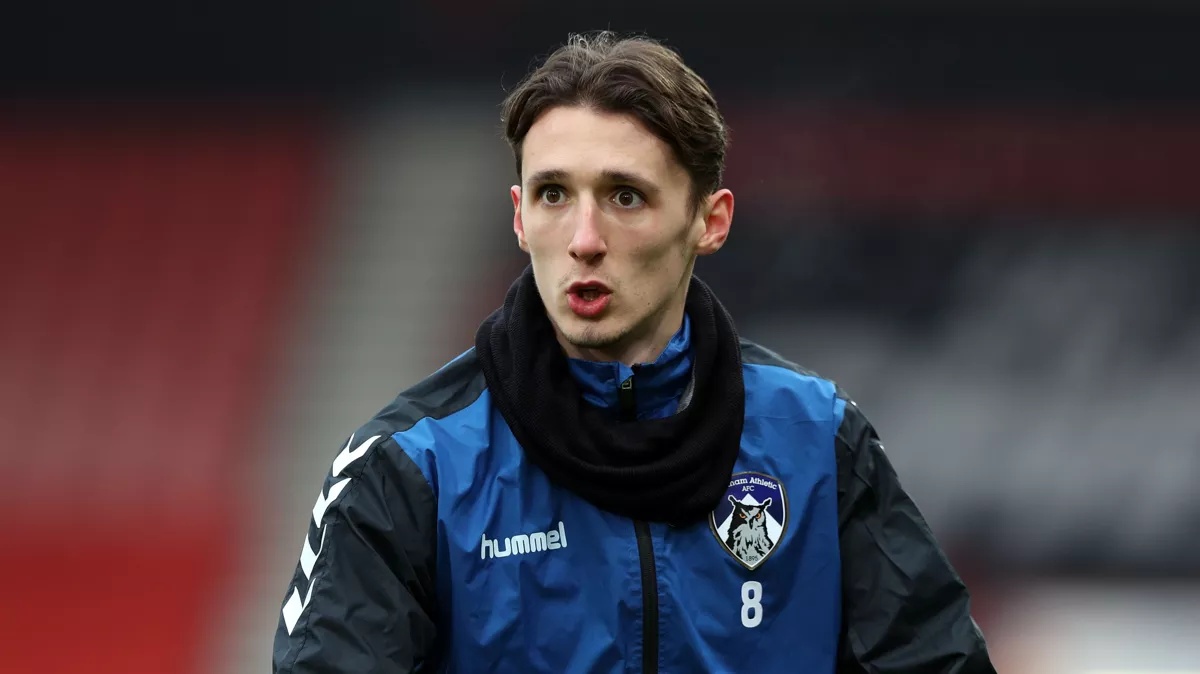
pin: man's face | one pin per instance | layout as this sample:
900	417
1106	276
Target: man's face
606	216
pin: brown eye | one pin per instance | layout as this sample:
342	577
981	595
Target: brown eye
628	198
758	516
742	515
552	195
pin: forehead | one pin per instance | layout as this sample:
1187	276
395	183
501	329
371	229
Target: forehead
584	142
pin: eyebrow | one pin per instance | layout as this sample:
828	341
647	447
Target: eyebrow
623	177
608	175
547	176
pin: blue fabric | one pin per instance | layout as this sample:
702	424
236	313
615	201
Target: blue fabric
566	594
658	385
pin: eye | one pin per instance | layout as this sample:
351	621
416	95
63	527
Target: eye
742	515
551	195
628	198
758	516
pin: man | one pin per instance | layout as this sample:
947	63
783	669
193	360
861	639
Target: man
611	480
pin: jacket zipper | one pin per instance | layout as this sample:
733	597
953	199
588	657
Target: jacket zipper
627	403
649	598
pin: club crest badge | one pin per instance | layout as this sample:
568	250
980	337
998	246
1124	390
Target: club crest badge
751	518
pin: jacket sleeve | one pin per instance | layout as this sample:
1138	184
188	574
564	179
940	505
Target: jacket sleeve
905	609
362	598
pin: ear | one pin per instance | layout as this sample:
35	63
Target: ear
766	504
717	212
735	503
518	226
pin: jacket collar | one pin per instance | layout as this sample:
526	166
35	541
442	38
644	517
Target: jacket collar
657	386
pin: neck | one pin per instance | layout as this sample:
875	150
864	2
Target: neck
644	345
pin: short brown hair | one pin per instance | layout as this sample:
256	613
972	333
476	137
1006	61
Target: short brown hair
634	75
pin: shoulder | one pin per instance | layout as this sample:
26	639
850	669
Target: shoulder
775	385
454	387
441	399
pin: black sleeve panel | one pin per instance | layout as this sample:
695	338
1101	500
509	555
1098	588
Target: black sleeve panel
372	605
905	609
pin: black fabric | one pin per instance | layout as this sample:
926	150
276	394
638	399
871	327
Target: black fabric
373	587
905	609
674	469
372	593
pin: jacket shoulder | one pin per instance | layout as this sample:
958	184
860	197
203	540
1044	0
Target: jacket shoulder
372	541
382	441
451	389
757	354
775	378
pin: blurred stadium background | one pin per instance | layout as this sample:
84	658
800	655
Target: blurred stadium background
229	233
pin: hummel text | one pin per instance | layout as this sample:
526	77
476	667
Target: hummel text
522	544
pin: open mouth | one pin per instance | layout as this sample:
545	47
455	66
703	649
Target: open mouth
588	300
590	293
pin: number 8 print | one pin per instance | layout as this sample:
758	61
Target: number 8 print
751	603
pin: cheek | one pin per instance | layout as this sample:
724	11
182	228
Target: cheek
540	231
660	256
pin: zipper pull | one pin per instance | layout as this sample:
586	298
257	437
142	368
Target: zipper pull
626	400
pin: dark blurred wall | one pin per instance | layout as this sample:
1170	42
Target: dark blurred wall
973	51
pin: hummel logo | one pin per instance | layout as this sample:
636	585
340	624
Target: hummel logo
521	544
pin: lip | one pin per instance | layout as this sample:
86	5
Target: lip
588	285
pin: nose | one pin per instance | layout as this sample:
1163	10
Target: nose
587	242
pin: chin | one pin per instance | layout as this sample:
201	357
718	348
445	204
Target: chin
591	334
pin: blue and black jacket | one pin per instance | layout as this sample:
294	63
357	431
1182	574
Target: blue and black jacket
435	545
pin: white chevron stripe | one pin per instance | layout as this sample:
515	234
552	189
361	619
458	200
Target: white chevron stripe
323	502
292	610
347	457
307	557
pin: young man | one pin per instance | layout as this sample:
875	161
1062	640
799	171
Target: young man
611	480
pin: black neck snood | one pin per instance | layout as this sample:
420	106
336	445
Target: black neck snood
672	470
